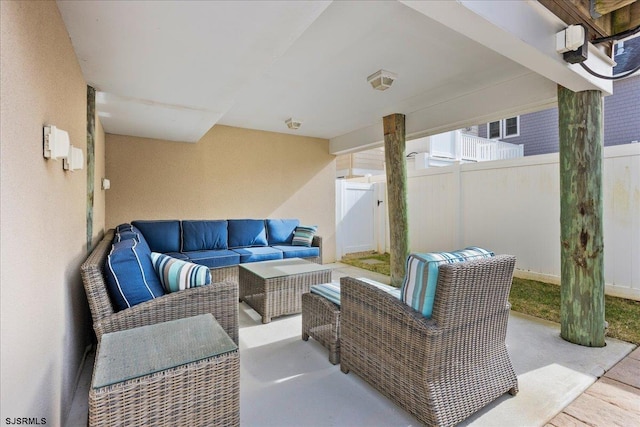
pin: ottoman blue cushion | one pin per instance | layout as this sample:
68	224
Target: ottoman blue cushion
214	258
130	276
204	235
161	235
298	251
280	231
246	233
262	253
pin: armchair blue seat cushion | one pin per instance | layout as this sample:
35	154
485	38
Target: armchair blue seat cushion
130	276
419	286
298	251
261	253
280	231
246	233
204	235
161	235
214	258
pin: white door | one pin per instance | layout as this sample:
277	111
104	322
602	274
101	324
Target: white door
357	203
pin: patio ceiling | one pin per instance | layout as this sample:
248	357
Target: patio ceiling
172	70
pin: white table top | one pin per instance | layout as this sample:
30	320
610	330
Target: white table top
282	267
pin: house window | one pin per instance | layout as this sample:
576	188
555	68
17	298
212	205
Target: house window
512	126
494	130
504	128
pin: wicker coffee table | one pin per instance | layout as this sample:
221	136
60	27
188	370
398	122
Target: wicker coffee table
275	288
183	372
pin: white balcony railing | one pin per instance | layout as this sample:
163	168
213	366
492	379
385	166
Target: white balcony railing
457	146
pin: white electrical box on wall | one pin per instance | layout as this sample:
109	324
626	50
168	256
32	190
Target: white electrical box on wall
56	143
74	160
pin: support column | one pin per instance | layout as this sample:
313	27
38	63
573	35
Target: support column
91	161
581	229
396	168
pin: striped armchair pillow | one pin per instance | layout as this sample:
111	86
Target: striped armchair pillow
419	286
177	275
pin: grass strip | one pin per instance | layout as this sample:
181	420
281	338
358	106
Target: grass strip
539	299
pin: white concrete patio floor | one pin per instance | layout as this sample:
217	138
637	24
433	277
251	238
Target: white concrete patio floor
285	381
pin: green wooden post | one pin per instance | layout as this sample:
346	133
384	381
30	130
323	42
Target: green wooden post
582	258
91	161
396	167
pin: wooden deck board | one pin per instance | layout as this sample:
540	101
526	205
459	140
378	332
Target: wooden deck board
613	400
627	372
596	412
618	394
564	420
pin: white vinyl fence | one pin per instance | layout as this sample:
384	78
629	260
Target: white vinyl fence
513	206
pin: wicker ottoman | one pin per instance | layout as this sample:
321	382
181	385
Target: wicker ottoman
321	321
179	373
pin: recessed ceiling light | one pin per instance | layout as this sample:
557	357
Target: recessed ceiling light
293	123
382	79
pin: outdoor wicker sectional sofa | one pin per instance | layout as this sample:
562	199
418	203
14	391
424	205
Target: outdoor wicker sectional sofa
219	245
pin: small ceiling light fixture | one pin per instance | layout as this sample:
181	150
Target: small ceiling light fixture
382	79
293	123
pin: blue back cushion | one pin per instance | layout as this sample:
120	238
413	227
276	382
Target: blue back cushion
419	286
280	231
204	235
162	235
130	276
128	231
246	232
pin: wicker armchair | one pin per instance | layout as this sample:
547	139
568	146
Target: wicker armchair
441	369
219	299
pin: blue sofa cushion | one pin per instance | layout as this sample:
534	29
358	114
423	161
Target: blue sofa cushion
280	231
298	251
177	275
246	233
128	231
178	255
214	258
204	235
161	235
421	278
262	253
130	276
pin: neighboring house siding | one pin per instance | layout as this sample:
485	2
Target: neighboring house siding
622	113
539	130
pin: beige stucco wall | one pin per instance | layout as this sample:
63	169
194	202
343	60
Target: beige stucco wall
230	173
44	323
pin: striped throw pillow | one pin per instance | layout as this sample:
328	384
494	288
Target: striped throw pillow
303	236
177	275
419	286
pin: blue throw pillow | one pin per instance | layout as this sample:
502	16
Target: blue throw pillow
419	286
177	275
130	276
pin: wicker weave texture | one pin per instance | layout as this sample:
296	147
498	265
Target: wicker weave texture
219	299
321	321
442	369
203	393
280	295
